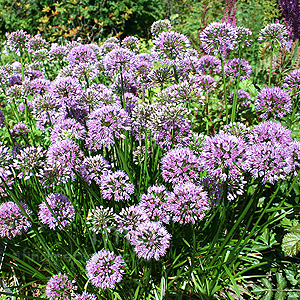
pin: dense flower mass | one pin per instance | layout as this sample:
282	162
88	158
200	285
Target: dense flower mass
56	211
81	54
13	221
233	66
104	269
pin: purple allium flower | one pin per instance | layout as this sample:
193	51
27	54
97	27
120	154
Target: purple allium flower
62	214
107	47
40	55
275	33
105	124
214	189
206	82
218	38
132	43
36	43
118	60
295	148
116	186
243	36
29	160
169	44
160	26
84	296
92	168
101	219
19	131
16	93
237	129
66	152
81	54
208	65
104	269
12	220
161	75
141	66
243	98
130	83
169	126
2	119
222	156
60	287
154	204
85	72
269	161
273	102
188	203
16	41
113	40
39	86
180	165
270	131
129	218
15	79
131	101
67	129
292	82
232	69
290	11
58	53
6	180
150	240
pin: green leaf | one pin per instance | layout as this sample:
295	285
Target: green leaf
291	243
290	275
281	284
295	229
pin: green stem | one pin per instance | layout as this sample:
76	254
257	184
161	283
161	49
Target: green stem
295	108
225	90
271	65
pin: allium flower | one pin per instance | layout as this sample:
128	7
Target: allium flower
92	168
66	152
270	131
29	160
169	44
243	98
36	43
19	131
206	82
213	188
62	211
6	180
222	156
292	82
2	119
130	83
107	47
269	161
105	124
16	41
232	69
65	129
131	101
81	54
188	203
150	240
237	129
130	218
273	103
116	186
40	55
218	38
118	60
295	149
60	287
100	219
132	43
15	79
112	40
104	269
275	33
85	72
154	204
180	165
243	36
208	65
58	53
12	220
84	296
39	85
160	26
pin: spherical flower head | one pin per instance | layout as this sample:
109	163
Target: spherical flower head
60	287
154	204
66	152
105	124
16	41
161	75
116	186
188	203
169	44
218	38
39	86
81	54
85	72
131	101
273	103
92	168
237	129
180	165
208	65
58	53
206	82
150	240
62	211
19	131
132	43
65	129
275	33
292	82
104	269
100	219
29	161
129	218
243	98
118	60
2	119
12	220
243	36
160	26
232	69
269	161
36	43
222	156
270	131
84	296
6	180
